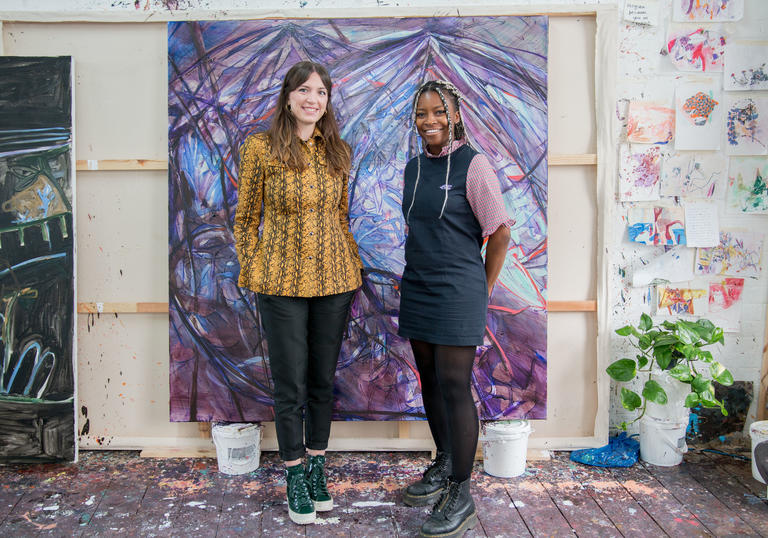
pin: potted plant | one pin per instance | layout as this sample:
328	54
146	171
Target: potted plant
670	349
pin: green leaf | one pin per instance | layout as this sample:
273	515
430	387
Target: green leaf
708	399
705	355
665	340
622	370
626	330
663	356
701	384
717	336
644	342
645	322
721	374
670	326
623	426
630	400
685	333
642	361
682	372
692	400
688	351
652	391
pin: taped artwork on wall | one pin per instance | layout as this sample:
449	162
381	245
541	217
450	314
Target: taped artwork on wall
650	123
725	300
747	192
693	175
738	254
746	124
639	172
707	10
674	300
37	381
698	116
224	78
695	50
746	66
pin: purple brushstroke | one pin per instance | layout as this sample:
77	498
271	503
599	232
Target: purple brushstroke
223	81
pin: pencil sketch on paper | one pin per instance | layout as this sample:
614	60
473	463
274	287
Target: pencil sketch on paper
639	172
650	123
738	254
693	175
746	66
725	300
707	10
673	301
747	191
668	226
697	50
747	126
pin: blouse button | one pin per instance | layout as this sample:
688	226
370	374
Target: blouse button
311	210
310	257
311	233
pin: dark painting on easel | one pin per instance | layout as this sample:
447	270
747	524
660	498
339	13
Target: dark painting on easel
37	287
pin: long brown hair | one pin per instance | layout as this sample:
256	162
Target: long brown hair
282	132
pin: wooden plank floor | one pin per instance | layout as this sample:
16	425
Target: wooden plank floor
119	493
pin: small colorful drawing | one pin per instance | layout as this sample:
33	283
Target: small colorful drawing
640	225
699	118
693	175
639	172
674	301
668	226
699	108
747	191
725	300
700	50
708	10
747	126
649	123
738	254
746	66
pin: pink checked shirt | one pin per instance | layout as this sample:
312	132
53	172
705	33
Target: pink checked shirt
483	191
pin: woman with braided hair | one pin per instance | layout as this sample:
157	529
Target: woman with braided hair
451	203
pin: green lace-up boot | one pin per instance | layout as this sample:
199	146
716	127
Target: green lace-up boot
318	488
428	488
301	510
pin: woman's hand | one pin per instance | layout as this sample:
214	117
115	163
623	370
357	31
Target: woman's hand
495	252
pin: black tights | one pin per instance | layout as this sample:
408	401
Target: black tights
445	373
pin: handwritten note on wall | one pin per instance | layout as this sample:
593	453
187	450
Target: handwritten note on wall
642	12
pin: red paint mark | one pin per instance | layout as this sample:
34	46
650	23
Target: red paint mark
516	178
500	350
689	521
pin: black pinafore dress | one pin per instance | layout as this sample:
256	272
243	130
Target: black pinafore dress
444	292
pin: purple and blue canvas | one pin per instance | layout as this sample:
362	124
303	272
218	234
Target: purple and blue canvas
224	78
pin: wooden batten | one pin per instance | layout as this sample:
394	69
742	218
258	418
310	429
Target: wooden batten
111	165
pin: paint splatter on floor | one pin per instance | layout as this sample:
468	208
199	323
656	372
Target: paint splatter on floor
115	493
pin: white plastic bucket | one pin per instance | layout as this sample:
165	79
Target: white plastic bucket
674	410
662	442
238	447
758	431
505	444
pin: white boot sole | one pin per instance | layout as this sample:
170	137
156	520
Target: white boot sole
302	519
323	506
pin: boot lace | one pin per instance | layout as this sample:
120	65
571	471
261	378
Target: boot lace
317	479
297	489
438	467
448	499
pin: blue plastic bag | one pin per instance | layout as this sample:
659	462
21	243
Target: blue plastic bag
621	451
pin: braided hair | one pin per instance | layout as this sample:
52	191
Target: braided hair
443	89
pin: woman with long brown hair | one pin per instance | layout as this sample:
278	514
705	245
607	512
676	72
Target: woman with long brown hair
304	267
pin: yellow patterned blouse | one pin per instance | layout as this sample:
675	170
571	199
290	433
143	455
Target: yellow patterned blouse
305	248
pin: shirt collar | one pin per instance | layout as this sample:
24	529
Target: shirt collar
456	144
317	136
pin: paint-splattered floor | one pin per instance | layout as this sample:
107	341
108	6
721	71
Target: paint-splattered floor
119	493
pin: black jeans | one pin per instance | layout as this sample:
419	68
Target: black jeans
303	339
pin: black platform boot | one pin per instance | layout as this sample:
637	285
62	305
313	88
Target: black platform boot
454	513
432	483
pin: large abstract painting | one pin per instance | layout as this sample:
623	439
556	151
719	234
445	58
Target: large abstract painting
224	78
37	381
